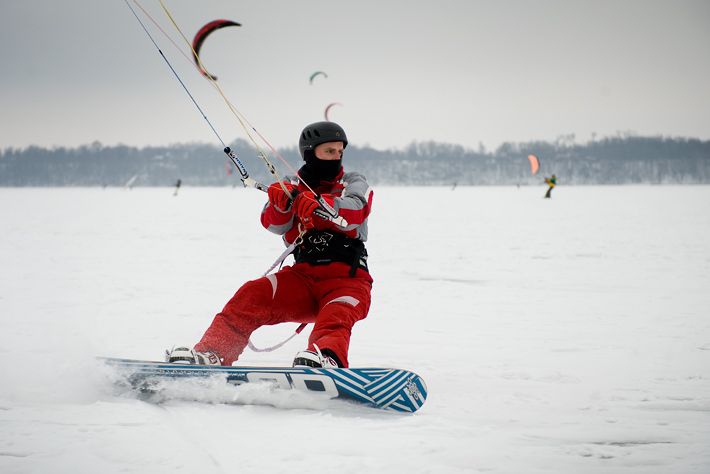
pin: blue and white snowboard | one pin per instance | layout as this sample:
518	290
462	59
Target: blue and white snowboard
389	389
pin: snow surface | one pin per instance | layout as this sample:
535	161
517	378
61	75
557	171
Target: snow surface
562	335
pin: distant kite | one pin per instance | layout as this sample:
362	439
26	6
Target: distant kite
200	37
534	164
315	74
327	109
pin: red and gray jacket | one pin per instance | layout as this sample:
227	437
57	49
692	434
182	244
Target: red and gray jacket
351	197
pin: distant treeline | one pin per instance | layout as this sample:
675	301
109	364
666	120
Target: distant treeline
616	160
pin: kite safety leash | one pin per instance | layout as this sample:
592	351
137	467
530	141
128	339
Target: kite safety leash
298	330
278	263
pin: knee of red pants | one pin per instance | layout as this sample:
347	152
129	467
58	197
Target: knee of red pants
333	328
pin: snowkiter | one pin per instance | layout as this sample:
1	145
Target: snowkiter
551	182
328	285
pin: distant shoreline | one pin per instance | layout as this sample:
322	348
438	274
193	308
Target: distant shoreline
617	160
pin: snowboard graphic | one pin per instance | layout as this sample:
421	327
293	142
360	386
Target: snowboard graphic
389	389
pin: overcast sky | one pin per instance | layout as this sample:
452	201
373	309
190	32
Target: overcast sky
464	72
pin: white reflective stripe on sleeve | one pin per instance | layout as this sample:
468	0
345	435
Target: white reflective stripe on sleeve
272	279
345	299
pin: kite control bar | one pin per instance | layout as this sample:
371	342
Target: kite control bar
248	181
326	211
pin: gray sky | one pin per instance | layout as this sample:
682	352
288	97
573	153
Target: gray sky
464	72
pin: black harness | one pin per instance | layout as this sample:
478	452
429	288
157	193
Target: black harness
321	247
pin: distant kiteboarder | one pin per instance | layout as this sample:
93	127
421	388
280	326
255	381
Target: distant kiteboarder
177	186
551	182
129	184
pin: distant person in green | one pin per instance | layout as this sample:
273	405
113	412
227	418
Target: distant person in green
551	182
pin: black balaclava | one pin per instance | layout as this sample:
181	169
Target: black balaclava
315	170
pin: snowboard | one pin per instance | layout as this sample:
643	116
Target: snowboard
388	389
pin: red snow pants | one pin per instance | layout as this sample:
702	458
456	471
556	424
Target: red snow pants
322	294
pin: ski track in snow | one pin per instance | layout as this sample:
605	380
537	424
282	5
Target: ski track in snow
562	335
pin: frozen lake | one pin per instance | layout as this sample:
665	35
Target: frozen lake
562	335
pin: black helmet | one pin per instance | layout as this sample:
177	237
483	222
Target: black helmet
318	133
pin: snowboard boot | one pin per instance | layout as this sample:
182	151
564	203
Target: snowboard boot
187	356
315	359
